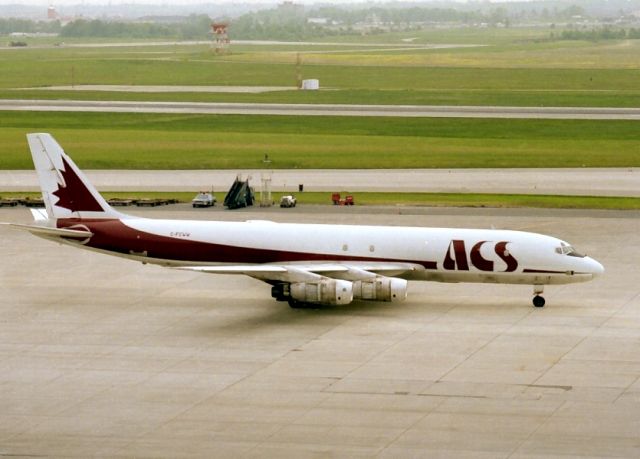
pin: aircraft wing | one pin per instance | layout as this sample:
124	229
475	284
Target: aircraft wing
306	272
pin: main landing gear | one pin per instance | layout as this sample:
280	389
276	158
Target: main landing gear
281	292
295	304
538	300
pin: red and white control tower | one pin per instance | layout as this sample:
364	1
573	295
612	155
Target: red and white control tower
220	38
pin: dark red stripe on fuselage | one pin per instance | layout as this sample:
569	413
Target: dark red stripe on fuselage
114	236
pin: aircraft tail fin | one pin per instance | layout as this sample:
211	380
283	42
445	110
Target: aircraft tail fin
66	191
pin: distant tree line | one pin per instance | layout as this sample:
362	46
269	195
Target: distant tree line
97	28
398	15
292	22
284	23
193	27
603	33
11	25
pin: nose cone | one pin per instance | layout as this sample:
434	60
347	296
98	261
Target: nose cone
594	267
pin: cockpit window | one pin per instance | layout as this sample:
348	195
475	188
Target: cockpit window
566	249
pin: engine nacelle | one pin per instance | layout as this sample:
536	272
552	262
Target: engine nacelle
381	289
326	291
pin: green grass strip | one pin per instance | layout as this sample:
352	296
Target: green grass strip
412	199
150	141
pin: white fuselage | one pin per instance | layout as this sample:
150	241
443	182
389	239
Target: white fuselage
447	254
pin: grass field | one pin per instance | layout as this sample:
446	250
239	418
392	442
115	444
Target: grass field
150	141
415	199
512	67
375	71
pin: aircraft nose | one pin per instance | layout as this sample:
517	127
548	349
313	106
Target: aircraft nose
594	267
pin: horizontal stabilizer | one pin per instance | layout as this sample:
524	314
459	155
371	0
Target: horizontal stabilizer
39	215
47	231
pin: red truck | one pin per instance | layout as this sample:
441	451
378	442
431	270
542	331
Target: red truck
338	201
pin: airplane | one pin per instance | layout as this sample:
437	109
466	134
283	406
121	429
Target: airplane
307	265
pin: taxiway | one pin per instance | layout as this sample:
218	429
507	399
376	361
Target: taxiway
560	181
407	111
105	357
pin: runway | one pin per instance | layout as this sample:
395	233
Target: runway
144	44
158	89
583	181
322	109
105	357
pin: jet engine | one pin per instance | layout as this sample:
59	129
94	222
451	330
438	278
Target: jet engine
380	289
325	291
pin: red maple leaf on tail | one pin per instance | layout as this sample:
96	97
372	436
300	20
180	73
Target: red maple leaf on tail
75	196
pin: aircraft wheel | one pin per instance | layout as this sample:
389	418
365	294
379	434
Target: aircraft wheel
538	301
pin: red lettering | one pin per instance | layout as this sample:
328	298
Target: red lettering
478	261
503	253
460	254
456	257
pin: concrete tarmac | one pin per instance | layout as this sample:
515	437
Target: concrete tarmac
583	181
406	111
101	356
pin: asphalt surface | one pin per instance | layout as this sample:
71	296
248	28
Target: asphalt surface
583	181
405	44
101	356
324	109
156	89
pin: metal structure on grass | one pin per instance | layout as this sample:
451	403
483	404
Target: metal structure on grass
221	40
265	190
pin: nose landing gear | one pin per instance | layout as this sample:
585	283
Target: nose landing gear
538	300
